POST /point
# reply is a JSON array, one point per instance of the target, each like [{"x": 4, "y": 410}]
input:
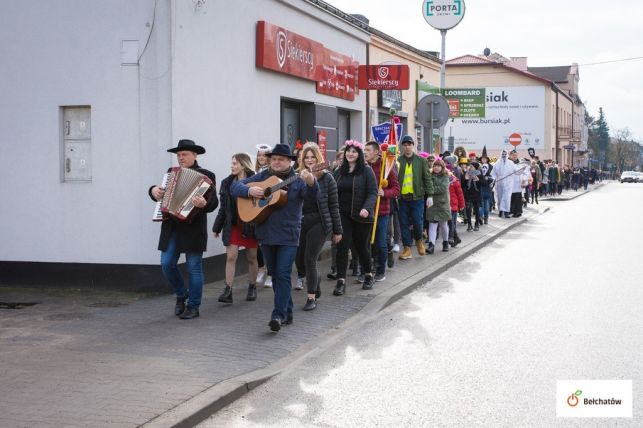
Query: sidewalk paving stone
[{"x": 102, "y": 359}]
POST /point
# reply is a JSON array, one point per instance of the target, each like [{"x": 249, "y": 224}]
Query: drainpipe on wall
[
  {"x": 368, "y": 96},
  {"x": 556, "y": 129}
]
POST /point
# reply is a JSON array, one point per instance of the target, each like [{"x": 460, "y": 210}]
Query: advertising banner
[
  {"x": 321, "y": 142},
  {"x": 506, "y": 111},
  {"x": 465, "y": 102},
  {"x": 383, "y": 77},
  {"x": 338, "y": 76},
  {"x": 286, "y": 52}
]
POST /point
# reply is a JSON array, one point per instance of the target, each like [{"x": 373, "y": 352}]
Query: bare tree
[{"x": 624, "y": 153}]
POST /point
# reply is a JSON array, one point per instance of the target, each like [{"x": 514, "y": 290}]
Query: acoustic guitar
[{"x": 257, "y": 210}]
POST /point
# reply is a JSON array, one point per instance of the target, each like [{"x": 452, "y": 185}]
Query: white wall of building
[
  {"x": 68, "y": 54},
  {"x": 197, "y": 79}
]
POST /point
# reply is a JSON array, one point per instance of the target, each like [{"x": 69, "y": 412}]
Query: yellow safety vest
[{"x": 407, "y": 182}]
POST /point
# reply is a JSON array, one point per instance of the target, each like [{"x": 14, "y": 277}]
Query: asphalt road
[{"x": 483, "y": 344}]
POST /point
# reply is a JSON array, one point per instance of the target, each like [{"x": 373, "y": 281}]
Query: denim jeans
[
  {"x": 381, "y": 242},
  {"x": 485, "y": 207},
  {"x": 194, "y": 265},
  {"x": 411, "y": 213},
  {"x": 279, "y": 260}
]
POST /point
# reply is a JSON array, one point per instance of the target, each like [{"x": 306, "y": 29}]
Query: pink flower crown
[{"x": 354, "y": 143}]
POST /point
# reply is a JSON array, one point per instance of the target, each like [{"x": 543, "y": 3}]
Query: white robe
[{"x": 504, "y": 186}]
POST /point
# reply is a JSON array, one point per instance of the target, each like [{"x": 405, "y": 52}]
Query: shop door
[{"x": 290, "y": 126}]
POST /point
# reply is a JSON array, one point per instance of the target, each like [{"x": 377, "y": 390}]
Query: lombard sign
[
  {"x": 383, "y": 77},
  {"x": 443, "y": 14}
]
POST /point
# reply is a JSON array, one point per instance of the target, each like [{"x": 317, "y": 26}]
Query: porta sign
[
  {"x": 383, "y": 77},
  {"x": 443, "y": 14}
]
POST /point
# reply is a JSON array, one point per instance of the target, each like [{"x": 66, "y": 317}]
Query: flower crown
[{"x": 355, "y": 143}]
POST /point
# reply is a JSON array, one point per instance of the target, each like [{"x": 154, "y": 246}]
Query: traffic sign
[
  {"x": 433, "y": 111},
  {"x": 515, "y": 139},
  {"x": 443, "y": 14}
]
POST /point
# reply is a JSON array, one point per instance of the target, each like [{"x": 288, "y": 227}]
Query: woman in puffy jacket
[
  {"x": 439, "y": 213},
  {"x": 357, "y": 193},
  {"x": 234, "y": 232},
  {"x": 320, "y": 218}
]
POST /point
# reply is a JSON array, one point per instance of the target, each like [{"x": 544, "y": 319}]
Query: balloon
[
  {"x": 384, "y": 183},
  {"x": 392, "y": 149},
  {"x": 384, "y": 147},
  {"x": 396, "y": 120}
]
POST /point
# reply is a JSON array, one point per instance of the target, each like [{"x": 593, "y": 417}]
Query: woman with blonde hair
[
  {"x": 234, "y": 232},
  {"x": 320, "y": 218},
  {"x": 261, "y": 163}
]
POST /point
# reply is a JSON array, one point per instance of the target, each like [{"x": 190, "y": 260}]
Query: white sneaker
[
  {"x": 268, "y": 282},
  {"x": 300, "y": 284},
  {"x": 396, "y": 248},
  {"x": 261, "y": 276}
]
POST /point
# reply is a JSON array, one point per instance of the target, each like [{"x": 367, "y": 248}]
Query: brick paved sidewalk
[{"x": 121, "y": 359}]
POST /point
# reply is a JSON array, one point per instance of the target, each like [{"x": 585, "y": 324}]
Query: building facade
[
  {"x": 95, "y": 94},
  {"x": 504, "y": 106},
  {"x": 424, "y": 72}
]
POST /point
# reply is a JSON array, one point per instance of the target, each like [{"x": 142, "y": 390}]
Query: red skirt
[{"x": 239, "y": 240}]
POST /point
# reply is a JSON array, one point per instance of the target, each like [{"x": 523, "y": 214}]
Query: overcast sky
[{"x": 548, "y": 33}]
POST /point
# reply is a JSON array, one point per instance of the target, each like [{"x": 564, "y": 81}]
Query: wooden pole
[{"x": 377, "y": 203}]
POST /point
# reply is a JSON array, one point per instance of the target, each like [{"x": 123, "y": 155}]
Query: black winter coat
[
  {"x": 364, "y": 193},
  {"x": 471, "y": 189},
  {"x": 190, "y": 237},
  {"x": 227, "y": 215},
  {"x": 328, "y": 205}
]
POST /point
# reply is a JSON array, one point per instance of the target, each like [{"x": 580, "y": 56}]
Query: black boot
[
  {"x": 340, "y": 288},
  {"x": 486, "y": 219},
  {"x": 179, "y": 308},
  {"x": 368, "y": 282},
  {"x": 310, "y": 305},
  {"x": 318, "y": 289},
  {"x": 445, "y": 246},
  {"x": 332, "y": 274},
  {"x": 226, "y": 296},
  {"x": 189, "y": 313},
  {"x": 456, "y": 239},
  {"x": 431, "y": 248},
  {"x": 252, "y": 293},
  {"x": 476, "y": 227},
  {"x": 469, "y": 228}
]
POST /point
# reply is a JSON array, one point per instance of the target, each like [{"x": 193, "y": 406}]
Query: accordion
[{"x": 181, "y": 185}]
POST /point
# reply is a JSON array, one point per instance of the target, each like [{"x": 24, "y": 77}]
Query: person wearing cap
[
  {"x": 279, "y": 233},
  {"x": 189, "y": 238},
  {"x": 415, "y": 184}
]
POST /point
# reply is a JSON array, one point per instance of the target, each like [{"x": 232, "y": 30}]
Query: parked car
[{"x": 631, "y": 177}]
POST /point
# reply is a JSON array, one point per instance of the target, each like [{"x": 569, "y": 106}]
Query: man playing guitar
[{"x": 279, "y": 233}]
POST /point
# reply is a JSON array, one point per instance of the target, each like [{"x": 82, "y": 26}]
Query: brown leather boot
[
  {"x": 420, "y": 246},
  {"x": 406, "y": 253}
]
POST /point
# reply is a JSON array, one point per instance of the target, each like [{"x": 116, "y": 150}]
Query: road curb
[{"x": 201, "y": 406}]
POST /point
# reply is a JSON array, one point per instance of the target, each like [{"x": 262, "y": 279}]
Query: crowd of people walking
[{"x": 372, "y": 214}]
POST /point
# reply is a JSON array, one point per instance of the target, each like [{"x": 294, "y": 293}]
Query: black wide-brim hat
[
  {"x": 282, "y": 150},
  {"x": 187, "y": 145}
]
